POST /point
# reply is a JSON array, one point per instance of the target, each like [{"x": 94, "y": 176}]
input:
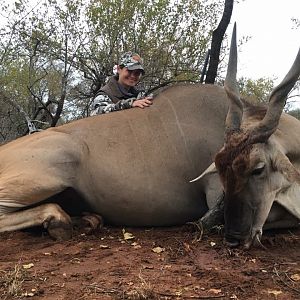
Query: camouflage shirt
[{"x": 113, "y": 97}]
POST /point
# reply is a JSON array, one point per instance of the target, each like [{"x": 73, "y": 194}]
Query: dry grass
[
  {"x": 144, "y": 291},
  {"x": 141, "y": 291},
  {"x": 12, "y": 281}
]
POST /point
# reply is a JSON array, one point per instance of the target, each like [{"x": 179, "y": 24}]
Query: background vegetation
[{"x": 55, "y": 55}]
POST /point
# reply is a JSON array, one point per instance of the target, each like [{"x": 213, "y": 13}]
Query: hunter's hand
[{"x": 141, "y": 103}]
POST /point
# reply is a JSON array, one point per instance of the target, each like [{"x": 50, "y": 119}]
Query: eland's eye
[{"x": 258, "y": 170}]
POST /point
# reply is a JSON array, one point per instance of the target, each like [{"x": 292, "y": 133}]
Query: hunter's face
[{"x": 129, "y": 78}]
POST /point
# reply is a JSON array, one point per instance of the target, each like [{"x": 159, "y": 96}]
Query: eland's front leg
[
  {"x": 19, "y": 204},
  {"x": 50, "y": 216}
]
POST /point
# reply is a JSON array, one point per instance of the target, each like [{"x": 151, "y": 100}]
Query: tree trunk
[{"x": 216, "y": 42}]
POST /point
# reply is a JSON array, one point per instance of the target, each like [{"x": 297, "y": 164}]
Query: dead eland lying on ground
[{"x": 133, "y": 167}]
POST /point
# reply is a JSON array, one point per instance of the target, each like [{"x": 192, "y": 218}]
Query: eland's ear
[
  {"x": 282, "y": 164},
  {"x": 210, "y": 170}
]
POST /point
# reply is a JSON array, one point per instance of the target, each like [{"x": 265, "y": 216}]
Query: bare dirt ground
[{"x": 160, "y": 263}]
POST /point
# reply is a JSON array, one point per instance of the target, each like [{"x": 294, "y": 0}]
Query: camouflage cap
[{"x": 131, "y": 61}]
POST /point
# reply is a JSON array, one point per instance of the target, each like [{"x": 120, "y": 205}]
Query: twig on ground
[
  {"x": 275, "y": 270},
  {"x": 192, "y": 297},
  {"x": 200, "y": 230}
]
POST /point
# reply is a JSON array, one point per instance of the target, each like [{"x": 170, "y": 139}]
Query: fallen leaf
[
  {"x": 167, "y": 267},
  {"x": 26, "y": 294},
  {"x": 136, "y": 245},
  {"x": 296, "y": 277},
  {"x": 264, "y": 271},
  {"x": 75, "y": 260},
  {"x": 28, "y": 266},
  {"x": 187, "y": 247},
  {"x": 29, "y": 294},
  {"x": 274, "y": 292},
  {"x": 215, "y": 291},
  {"x": 158, "y": 250},
  {"x": 127, "y": 235},
  {"x": 148, "y": 267}
]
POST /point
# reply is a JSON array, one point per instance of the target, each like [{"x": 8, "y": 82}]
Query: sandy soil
[{"x": 160, "y": 263}]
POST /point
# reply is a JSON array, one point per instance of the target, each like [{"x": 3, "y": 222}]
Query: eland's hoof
[
  {"x": 92, "y": 222},
  {"x": 60, "y": 231},
  {"x": 88, "y": 223}
]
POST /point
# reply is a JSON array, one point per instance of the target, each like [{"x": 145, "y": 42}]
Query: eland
[{"x": 133, "y": 167}]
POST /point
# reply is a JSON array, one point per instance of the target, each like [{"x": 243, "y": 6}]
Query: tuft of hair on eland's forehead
[
  {"x": 232, "y": 164},
  {"x": 235, "y": 152}
]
